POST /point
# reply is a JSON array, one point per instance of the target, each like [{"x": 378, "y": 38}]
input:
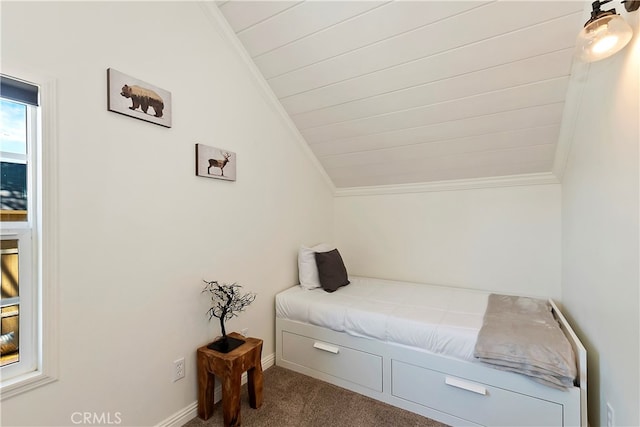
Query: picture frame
[
  {"x": 138, "y": 99},
  {"x": 217, "y": 163}
]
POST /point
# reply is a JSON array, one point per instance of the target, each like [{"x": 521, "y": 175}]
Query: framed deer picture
[{"x": 212, "y": 162}]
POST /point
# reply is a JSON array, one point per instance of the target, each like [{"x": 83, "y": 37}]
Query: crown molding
[
  {"x": 545, "y": 178},
  {"x": 222, "y": 27}
]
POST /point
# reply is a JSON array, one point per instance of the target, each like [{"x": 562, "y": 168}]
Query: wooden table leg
[
  {"x": 231, "y": 399},
  {"x": 206, "y": 387},
  {"x": 254, "y": 385}
]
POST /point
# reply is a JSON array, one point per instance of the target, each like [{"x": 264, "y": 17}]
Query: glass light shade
[{"x": 603, "y": 37}]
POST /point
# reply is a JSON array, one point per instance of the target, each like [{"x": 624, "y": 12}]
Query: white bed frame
[{"x": 452, "y": 391}]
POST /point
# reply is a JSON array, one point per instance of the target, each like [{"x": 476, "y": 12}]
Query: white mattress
[{"x": 439, "y": 319}]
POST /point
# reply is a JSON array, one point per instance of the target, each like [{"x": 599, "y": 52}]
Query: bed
[{"x": 412, "y": 345}]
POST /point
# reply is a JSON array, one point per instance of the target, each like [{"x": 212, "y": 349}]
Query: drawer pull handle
[
  {"x": 326, "y": 347},
  {"x": 455, "y": 382}
]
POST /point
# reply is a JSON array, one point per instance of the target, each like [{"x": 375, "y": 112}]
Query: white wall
[
  {"x": 138, "y": 231},
  {"x": 600, "y": 276},
  {"x": 503, "y": 239}
]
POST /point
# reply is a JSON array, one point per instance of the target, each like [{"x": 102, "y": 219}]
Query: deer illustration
[{"x": 215, "y": 163}]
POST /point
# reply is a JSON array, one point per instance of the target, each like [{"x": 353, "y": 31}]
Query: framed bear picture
[{"x": 136, "y": 98}]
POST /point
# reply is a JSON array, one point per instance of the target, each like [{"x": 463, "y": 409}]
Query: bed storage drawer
[
  {"x": 352, "y": 365},
  {"x": 476, "y": 402}
]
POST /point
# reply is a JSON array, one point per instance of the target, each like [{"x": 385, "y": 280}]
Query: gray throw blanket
[{"x": 520, "y": 334}]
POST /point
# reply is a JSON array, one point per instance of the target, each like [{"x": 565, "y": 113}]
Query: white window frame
[{"x": 41, "y": 351}]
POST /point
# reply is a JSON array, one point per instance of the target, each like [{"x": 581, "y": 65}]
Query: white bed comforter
[{"x": 439, "y": 319}]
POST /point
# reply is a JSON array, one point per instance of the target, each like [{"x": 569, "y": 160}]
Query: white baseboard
[
  {"x": 181, "y": 417},
  {"x": 189, "y": 412}
]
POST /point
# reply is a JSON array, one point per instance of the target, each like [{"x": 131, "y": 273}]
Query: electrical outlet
[
  {"x": 610, "y": 416},
  {"x": 178, "y": 369},
  {"x": 245, "y": 332}
]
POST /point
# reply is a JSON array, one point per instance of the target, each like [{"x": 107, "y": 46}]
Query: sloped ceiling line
[
  {"x": 407, "y": 93},
  {"x": 221, "y": 26}
]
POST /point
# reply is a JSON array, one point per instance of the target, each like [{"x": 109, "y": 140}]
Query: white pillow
[{"x": 307, "y": 268}]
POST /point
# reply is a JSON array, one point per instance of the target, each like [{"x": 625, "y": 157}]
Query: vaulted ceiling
[{"x": 397, "y": 92}]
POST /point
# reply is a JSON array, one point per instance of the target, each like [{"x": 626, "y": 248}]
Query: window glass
[
  {"x": 9, "y": 303},
  {"x": 13, "y": 161},
  {"x": 13, "y": 127}
]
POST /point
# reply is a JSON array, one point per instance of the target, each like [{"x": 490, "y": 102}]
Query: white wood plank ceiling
[{"x": 396, "y": 92}]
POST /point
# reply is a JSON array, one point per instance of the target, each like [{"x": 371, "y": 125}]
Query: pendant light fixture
[{"x": 605, "y": 33}]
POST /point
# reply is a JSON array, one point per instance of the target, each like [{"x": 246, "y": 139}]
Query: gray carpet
[{"x": 296, "y": 400}]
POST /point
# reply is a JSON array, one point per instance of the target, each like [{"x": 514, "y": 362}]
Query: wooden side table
[{"x": 228, "y": 367}]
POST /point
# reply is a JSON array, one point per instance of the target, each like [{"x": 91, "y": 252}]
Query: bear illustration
[{"x": 143, "y": 98}]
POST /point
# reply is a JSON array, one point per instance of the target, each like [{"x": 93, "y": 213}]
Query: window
[
  {"x": 26, "y": 282},
  {"x": 18, "y": 195}
]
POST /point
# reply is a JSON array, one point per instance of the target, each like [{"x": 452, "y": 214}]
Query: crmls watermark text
[{"x": 96, "y": 418}]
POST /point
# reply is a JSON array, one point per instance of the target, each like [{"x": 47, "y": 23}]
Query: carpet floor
[{"x": 296, "y": 400}]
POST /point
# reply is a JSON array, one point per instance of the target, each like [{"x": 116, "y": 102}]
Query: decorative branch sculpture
[{"x": 226, "y": 303}]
